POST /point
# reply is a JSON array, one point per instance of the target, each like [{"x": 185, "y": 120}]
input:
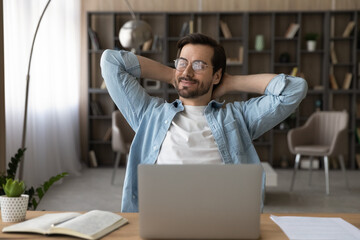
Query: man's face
[{"x": 190, "y": 83}]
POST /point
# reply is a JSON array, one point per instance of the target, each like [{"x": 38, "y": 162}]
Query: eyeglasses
[{"x": 197, "y": 65}]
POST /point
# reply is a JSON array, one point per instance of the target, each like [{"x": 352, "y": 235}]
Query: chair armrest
[
  {"x": 117, "y": 140},
  {"x": 338, "y": 143}
]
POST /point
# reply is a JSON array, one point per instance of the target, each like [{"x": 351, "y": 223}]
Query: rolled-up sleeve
[
  {"x": 282, "y": 96},
  {"x": 121, "y": 70}
]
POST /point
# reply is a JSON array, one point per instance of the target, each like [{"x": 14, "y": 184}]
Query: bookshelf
[{"x": 281, "y": 54}]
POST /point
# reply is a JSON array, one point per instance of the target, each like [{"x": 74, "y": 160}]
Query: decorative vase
[
  {"x": 13, "y": 209},
  {"x": 311, "y": 45},
  {"x": 284, "y": 57},
  {"x": 259, "y": 42}
]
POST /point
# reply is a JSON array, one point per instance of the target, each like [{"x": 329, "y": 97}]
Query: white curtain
[{"x": 52, "y": 140}]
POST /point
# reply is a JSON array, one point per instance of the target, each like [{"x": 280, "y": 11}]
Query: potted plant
[
  {"x": 14, "y": 203},
  {"x": 311, "y": 41},
  {"x": 34, "y": 194}
]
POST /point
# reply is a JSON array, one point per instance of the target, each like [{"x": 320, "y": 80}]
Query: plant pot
[
  {"x": 13, "y": 209},
  {"x": 311, "y": 45}
]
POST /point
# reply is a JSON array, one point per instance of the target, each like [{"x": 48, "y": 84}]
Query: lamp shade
[{"x": 134, "y": 33}]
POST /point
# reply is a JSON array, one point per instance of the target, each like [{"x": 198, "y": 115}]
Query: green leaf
[
  {"x": 14, "y": 162},
  {"x": 40, "y": 192},
  {"x": 13, "y": 188},
  {"x": 34, "y": 203}
]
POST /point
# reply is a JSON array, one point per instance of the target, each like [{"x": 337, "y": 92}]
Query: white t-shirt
[{"x": 189, "y": 140}]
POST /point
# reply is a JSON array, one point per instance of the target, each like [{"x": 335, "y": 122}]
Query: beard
[{"x": 191, "y": 92}]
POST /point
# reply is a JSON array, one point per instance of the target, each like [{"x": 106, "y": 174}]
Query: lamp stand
[{"x": 23, "y": 142}]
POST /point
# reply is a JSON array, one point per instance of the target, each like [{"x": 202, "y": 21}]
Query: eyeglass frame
[{"x": 192, "y": 65}]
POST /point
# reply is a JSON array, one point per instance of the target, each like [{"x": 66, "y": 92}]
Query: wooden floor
[{"x": 93, "y": 190}]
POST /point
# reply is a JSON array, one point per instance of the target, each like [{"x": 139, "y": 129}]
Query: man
[{"x": 194, "y": 128}]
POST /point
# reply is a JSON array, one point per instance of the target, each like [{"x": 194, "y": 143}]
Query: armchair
[
  {"x": 122, "y": 135},
  {"x": 322, "y": 136}
]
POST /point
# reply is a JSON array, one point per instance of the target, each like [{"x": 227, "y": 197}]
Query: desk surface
[{"x": 269, "y": 230}]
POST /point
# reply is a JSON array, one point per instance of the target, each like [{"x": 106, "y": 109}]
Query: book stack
[{"x": 187, "y": 28}]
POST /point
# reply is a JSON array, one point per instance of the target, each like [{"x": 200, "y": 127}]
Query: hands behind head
[{"x": 223, "y": 87}]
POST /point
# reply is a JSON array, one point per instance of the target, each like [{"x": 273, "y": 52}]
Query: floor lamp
[
  {"x": 23, "y": 142},
  {"x": 134, "y": 32}
]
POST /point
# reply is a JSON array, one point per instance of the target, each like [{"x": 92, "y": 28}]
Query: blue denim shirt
[{"x": 233, "y": 125}]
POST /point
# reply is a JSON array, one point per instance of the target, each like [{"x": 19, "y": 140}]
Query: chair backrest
[
  {"x": 326, "y": 124},
  {"x": 122, "y": 134}
]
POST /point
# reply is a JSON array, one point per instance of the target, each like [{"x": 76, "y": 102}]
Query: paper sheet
[{"x": 303, "y": 228}]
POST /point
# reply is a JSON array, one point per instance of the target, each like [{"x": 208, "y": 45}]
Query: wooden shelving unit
[{"x": 244, "y": 27}]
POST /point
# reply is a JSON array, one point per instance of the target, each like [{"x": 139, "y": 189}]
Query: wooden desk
[{"x": 269, "y": 230}]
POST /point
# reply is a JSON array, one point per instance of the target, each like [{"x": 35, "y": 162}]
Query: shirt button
[
  {"x": 166, "y": 121},
  {"x": 133, "y": 196},
  {"x": 154, "y": 147}
]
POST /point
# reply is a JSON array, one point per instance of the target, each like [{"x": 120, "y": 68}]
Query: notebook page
[
  {"x": 41, "y": 224},
  {"x": 321, "y": 228}
]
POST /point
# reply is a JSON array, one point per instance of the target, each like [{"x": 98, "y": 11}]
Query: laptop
[{"x": 200, "y": 201}]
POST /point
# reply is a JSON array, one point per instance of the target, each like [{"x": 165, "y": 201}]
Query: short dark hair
[{"x": 219, "y": 58}]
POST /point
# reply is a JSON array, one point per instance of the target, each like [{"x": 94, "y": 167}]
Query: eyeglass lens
[{"x": 181, "y": 64}]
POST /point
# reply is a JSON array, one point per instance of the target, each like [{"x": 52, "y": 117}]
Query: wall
[
  {"x": 190, "y": 5},
  {"x": 2, "y": 93}
]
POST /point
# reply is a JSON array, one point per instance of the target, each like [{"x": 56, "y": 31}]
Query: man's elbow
[
  {"x": 106, "y": 57},
  {"x": 303, "y": 87}
]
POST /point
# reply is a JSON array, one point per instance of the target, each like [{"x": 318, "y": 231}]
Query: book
[
  {"x": 147, "y": 45},
  {"x": 332, "y": 26},
  {"x": 156, "y": 43},
  {"x": 199, "y": 24},
  {"x": 347, "y": 81},
  {"x": 184, "y": 29},
  {"x": 191, "y": 26},
  {"x": 107, "y": 135},
  {"x": 292, "y": 30},
  {"x": 349, "y": 27},
  {"x": 91, "y": 225},
  {"x": 333, "y": 82},
  {"x": 333, "y": 54},
  {"x": 96, "y": 108},
  {"x": 94, "y": 39},
  {"x": 225, "y": 29},
  {"x": 241, "y": 54},
  {"x": 294, "y": 71},
  {"x": 93, "y": 159}
]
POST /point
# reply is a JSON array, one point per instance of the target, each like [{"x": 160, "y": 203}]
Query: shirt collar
[{"x": 214, "y": 104}]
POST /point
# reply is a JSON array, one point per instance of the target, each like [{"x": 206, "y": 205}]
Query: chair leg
[
  {"x": 310, "y": 169},
  {"x": 117, "y": 160},
  {"x": 296, "y": 165},
  {"x": 343, "y": 169},
  {"x": 326, "y": 168}
]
